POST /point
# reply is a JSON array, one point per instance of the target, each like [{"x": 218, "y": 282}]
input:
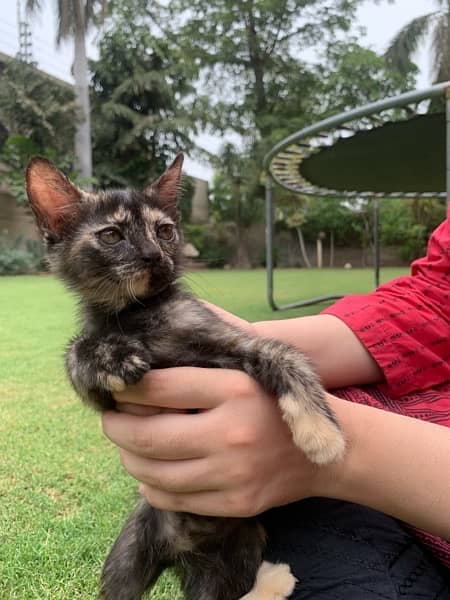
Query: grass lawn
[{"x": 63, "y": 494}]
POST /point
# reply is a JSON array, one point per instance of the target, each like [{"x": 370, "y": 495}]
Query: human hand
[{"x": 234, "y": 457}]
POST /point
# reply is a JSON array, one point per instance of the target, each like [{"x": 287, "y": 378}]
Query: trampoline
[{"x": 394, "y": 148}]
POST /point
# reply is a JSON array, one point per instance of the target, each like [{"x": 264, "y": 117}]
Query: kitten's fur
[{"x": 120, "y": 252}]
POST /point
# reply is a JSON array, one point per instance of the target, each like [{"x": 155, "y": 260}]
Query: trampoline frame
[{"x": 285, "y": 152}]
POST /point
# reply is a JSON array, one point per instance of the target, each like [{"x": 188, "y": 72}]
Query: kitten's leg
[
  {"x": 284, "y": 372},
  {"x": 137, "y": 557},
  {"x": 97, "y": 367},
  {"x": 225, "y": 568},
  {"x": 273, "y": 582},
  {"x": 289, "y": 374}
]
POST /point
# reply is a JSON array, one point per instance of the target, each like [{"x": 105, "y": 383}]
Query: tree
[
  {"x": 249, "y": 50},
  {"x": 353, "y": 76},
  {"x": 74, "y": 18},
  {"x": 435, "y": 24},
  {"x": 143, "y": 97},
  {"x": 35, "y": 106},
  {"x": 234, "y": 198},
  {"x": 36, "y": 117}
]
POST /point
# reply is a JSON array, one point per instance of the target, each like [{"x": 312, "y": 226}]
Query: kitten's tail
[{"x": 135, "y": 560}]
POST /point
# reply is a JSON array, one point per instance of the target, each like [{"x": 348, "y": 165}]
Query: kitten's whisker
[{"x": 133, "y": 293}]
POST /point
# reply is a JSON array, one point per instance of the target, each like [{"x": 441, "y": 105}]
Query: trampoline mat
[{"x": 406, "y": 156}]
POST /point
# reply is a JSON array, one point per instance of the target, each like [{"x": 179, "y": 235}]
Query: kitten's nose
[{"x": 150, "y": 253}]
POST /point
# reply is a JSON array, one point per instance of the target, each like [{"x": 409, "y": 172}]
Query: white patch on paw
[
  {"x": 314, "y": 433},
  {"x": 136, "y": 361},
  {"x": 273, "y": 582},
  {"x": 113, "y": 383}
]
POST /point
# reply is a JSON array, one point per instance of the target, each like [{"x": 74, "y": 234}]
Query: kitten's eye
[
  {"x": 166, "y": 232},
  {"x": 110, "y": 236}
]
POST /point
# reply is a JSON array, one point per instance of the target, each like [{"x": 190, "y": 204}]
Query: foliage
[
  {"x": 72, "y": 14},
  {"x": 37, "y": 115},
  {"x": 142, "y": 98},
  {"x": 15, "y": 155},
  {"x": 185, "y": 198},
  {"x": 214, "y": 241},
  {"x": 36, "y": 107},
  {"x": 251, "y": 48},
  {"x": 19, "y": 256},
  {"x": 237, "y": 197},
  {"x": 331, "y": 215},
  {"x": 434, "y": 26},
  {"x": 409, "y": 223},
  {"x": 353, "y": 76},
  {"x": 254, "y": 49}
]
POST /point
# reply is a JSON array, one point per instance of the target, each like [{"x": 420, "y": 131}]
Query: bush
[
  {"x": 18, "y": 256},
  {"x": 215, "y": 243}
]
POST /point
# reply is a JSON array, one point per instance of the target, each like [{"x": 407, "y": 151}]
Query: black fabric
[{"x": 343, "y": 551}]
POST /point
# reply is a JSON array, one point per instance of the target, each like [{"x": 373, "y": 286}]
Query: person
[{"x": 376, "y": 524}]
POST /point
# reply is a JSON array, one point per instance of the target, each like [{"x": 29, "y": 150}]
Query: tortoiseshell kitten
[{"x": 120, "y": 252}]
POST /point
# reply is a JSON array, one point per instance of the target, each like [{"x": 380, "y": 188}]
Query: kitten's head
[{"x": 111, "y": 247}]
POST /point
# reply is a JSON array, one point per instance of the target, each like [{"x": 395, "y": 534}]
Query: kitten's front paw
[
  {"x": 314, "y": 430},
  {"x": 121, "y": 363}
]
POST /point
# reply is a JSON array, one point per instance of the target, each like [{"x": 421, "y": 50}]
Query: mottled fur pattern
[{"x": 120, "y": 252}]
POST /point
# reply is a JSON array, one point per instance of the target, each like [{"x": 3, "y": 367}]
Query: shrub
[
  {"x": 215, "y": 243},
  {"x": 19, "y": 256}
]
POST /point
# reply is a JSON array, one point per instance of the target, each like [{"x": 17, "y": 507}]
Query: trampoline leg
[{"x": 376, "y": 240}]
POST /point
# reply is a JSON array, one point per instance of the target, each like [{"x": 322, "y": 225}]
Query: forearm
[
  {"x": 395, "y": 464},
  {"x": 338, "y": 355}
]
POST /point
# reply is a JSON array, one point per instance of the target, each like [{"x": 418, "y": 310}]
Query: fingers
[
  {"x": 212, "y": 503},
  {"x": 178, "y": 477},
  {"x": 138, "y": 409},
  {"x": 162, "y": 436},
  {"x": 186, "y": 388}
]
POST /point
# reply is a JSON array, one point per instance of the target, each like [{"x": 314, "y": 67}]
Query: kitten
[{"x": 120, "y": 251}]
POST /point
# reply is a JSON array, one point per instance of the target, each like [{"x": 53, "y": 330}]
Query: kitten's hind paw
[
  {"x": 273, "y": 582},
  {"x": 313, "y": 431}
]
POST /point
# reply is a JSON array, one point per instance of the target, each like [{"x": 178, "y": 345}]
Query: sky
[{"x": 381, "y": 21}]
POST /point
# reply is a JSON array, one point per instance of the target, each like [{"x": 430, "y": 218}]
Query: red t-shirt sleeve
[{"x": 405, "y": 324}]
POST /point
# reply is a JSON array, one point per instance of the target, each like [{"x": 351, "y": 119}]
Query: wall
[
  {"x": 16, "y": 221},
  {"x": 287, "y": 253}
]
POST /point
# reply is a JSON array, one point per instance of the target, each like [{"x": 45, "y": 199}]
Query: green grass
[{"x": 63, "y": 494}]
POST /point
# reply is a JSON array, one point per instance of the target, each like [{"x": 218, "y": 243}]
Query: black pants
[{"x": 342, "y": 551}]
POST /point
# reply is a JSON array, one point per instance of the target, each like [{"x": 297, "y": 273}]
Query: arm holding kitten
[{"x": 226, "y": 459}]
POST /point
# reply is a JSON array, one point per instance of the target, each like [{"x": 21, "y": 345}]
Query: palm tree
[
  {"x": 74, "y": 18},
  {"x": 435, "y": 24}
]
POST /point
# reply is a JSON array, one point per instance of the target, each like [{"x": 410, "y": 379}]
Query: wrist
[{"x": 339, "y": 479}]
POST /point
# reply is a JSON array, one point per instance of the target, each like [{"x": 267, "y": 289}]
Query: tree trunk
[
  {"x": 83, "y": 148},
  {"x": 331, "y": 249},
  {"x": 242, "y": 260},
  {"x": 301, "y": 243},
  {"x": 256, "y": 61}
]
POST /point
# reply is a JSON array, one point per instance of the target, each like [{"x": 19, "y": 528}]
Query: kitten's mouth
[{"x": 140, "y": 284}]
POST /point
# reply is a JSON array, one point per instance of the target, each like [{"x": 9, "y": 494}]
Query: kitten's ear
[
  {"x": 53, "y": 198},
  {"x": 167, "y": 186}
]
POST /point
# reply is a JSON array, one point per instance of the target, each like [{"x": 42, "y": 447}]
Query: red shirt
[{"x": 405, "y": 325}]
